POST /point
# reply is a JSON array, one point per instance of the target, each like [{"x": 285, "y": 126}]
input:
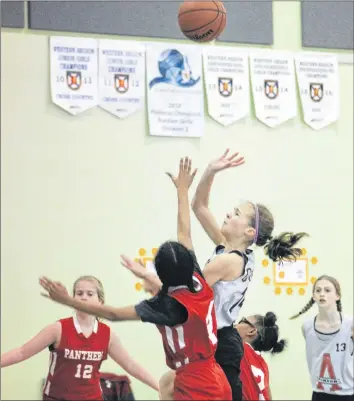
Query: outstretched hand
[
  {"x": 56, "y": 291},
  {"x": 151, "y": 282},
  {"x": 136, "y": 268},
  {"x": 226, "y": 161},
  {"x": 185, "y": 175}
]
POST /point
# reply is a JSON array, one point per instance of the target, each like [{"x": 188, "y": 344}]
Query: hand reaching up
[
  {"x": 185, "y": 175},
  {"x": 226, "y": 161}
]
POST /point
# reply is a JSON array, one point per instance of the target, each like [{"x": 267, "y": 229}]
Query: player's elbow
[
  {"x": 22, "y": 354},
  {"x": 195, "y": 204}
]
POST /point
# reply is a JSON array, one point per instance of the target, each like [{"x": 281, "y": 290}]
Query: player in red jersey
[
  {"x": 183, "y": 310},
  {"x": 259, "y": 334},
  {"x": 78, "y": 345}
]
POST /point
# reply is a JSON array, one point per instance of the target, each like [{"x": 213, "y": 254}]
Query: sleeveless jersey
[
  {"x": 330, "y": 358},
  {"x": 254, "y": 375},
  {"x": 74, "y": 365},
  {"x": 194, "y": 340},
  {"x": 230, "y": 295}
]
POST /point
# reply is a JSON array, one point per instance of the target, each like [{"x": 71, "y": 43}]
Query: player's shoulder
[
  {"x": 347, "y": 321},
  {"x": 249, "y": 351},
  {"x": 307, "y": 324},
  {"x": 103, "y": 327},
  {"x": 65, "y": 322},
  {"x": 228, "y": 258},
  {"x": 231, "y": 265},
  {"x": 254, "y": 357}
]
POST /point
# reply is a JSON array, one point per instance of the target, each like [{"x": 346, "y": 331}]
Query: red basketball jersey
[
  {"x": 254, "y": 375},
  {"x": 195, "y": 339},
  {"x": 74, "y": 365}
]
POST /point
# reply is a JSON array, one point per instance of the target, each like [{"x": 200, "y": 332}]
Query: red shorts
[
  {"x": 47, "y": 398},
  {"x": 201, "y": 380}
]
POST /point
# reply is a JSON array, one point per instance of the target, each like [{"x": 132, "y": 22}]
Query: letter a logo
[{"x": 327, "y": 366}]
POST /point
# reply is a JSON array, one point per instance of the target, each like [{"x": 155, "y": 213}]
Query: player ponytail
[
  {"x": 304, "y": 309},
  {"x": 174, "y": 265},
  {"x": 279, "y": 347},
  {"x": 268, "y": 333},
  {"x": 282, "y": 247},
  {"x": 311, "y": 301},
  {"x": 278, "y": 248}
]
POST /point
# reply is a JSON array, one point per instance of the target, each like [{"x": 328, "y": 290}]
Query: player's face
[
  {"x": 237, "y": 222},
  {"x": 246, "y": 328},
  {"x": 325, "y": 294},
  {"x": 86, "y": 291}
]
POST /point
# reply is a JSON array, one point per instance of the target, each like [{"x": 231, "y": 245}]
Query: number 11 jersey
[
  {"x": 196, "y": 338},
  {"x": 190, "y": 347}
]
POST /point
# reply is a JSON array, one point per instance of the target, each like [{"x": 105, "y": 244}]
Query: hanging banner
[
  {"x": 175, "y": 90},
  {"x": 121, "y": 83},
  {"x": 273, "y": 86},
  {"x": 318, "y": 81},
  {"x": 226, "y": 75},
  {"x": 73, "y": 73}
]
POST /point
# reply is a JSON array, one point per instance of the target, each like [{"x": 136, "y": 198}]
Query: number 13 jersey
[
  {"x": 75, "y": 363},
  {"x": 330, "y": 358}
]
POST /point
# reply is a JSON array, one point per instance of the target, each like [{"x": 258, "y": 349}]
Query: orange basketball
[{"x": 202, "y": 21}]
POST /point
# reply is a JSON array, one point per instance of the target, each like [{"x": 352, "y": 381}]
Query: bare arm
[
  {"x": 200, "y": 203},
  {"x": 58, "y": 293},
  {"x": 182, "y": 182},
  {"x": 120, "y": 355},
  {"x": 200, "y": 206},
  {"x": 103, "y": 311},
  {"x": 166, "y": 383},
  {"x": 49, "y": 335},
  {"x": 183, "y": 219},
  {"x": 227, "y": 266}
]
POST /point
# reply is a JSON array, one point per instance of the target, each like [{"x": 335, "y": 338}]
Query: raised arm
[
  {"x": 49, "y": 335},
  {"x": 200, "y": 203},
  {"x": 182, "y": 182},
  {"x": 121, "y": 356},
  {"x": 57, "y": 293}
]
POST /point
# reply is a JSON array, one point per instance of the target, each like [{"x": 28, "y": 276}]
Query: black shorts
[
  {"x": 229, "y": 353},
  {"x": 331, "y": 397}
]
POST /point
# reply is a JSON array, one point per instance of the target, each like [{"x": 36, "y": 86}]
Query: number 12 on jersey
[{"x": 84, "y": 372}]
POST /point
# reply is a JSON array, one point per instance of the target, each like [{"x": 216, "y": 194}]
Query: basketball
[{"x": 202, "y": 21}]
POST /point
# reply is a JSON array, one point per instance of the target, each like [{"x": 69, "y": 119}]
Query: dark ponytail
[
  {"x": 282, "y": 247},
  {"x": 278, "y": 248},
  {"x": 279, "y": 347},
  {"x": 268, "y": 333}
]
